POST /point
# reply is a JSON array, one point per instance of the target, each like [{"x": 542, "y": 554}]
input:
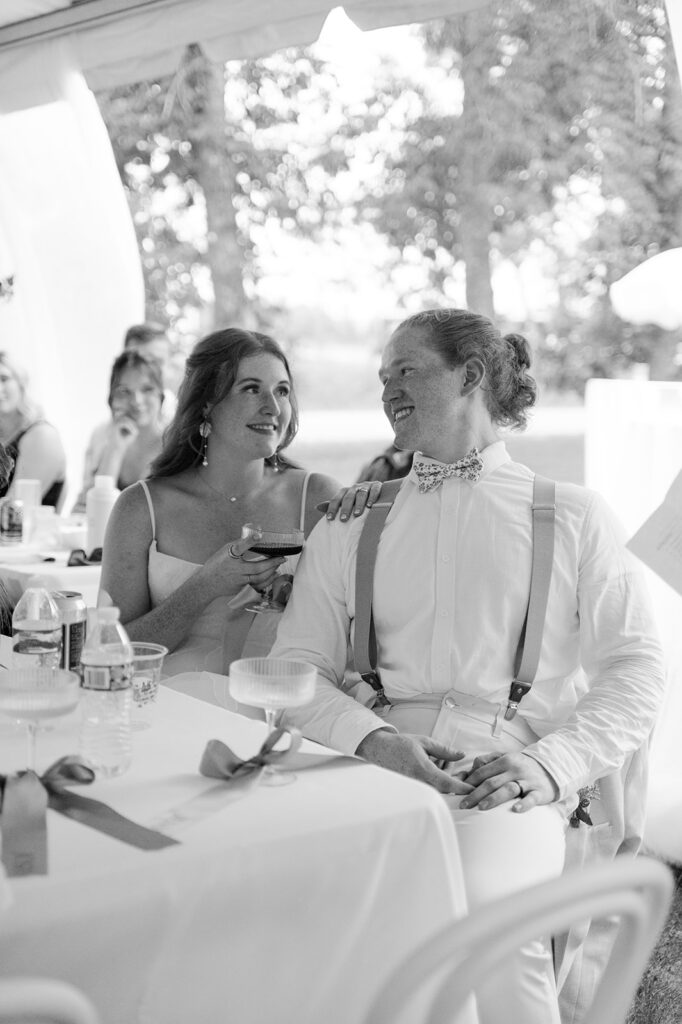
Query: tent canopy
[{"x": 113, "y": 42}]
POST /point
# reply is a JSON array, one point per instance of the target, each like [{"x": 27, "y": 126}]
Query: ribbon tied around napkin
[
  {"x": 24, "y": 799},
  {"x": 220, "y": 762}
]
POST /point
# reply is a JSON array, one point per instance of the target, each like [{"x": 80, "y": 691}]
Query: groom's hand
[{"x": 413, "y": 756}]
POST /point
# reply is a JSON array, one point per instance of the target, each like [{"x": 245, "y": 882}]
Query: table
[
  {"x": 17, "y": 568},
  {"x": 292, "y": 903}
]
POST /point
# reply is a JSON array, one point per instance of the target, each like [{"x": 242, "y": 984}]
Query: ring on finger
[
  {"x": 231, "y": 552},
  {"x": 365, "y": 490},
  {"x": 522, "y": 791}
]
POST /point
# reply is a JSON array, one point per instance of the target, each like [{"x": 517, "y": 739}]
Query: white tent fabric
[
  {"x": 68, "y": 239},
  {"x": 119, "y": 41},
  {"x": 650, "y": 292},
  {"x": 65, "y": 230}
]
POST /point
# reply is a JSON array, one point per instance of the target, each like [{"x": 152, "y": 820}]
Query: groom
[{"x": 451, "y": 588}]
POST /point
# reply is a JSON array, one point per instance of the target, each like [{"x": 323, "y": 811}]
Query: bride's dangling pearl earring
[{"x": 204, "y": 430}]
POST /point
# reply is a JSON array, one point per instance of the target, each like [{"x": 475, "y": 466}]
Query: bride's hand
[
  {"x": 228, "y": 571},
  {"x": 351, "y": 501}
]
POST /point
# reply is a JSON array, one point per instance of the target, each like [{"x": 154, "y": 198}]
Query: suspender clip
[
  {"x": 517, "y": 691},
  {"x": 375, "y": 682}
]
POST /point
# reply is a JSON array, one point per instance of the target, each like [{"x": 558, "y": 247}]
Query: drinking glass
[
  {"x": 147, "y": 663},
  {"x": 30, "y": 492},
  {"x": 272, "y": 684},
  {"x": 35, "y": 696},
  {"x": 271, "y": 545}
]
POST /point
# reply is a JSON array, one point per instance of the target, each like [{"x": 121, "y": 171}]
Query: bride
[{"x": 173, "y": 560}]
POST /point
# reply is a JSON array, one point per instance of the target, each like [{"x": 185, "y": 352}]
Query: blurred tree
[
  {"x": 211, "y": 155},
  {"x": 563, "y": 134}
]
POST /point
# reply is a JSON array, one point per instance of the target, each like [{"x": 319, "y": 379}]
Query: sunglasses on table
[{"x": 79, "y": 557}]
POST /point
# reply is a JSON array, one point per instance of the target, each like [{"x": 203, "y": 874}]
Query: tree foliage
[
  {"x": 563, "y": 139},
  {"x": 541, "y": 132},
  {"x": 210, "y": 156}
]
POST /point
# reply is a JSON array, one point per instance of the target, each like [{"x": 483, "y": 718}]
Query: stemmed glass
[
  {"x": 272, "y": 684},
  {"x": 271, "y": 545},
  {"x": 34, "y": 696}
]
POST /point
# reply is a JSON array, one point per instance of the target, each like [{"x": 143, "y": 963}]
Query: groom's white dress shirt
[{"x": 450, "y": 594}]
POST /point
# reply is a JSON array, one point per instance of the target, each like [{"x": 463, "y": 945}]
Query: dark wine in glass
[
  {"x": 272, "y": 545},
  {"x": 274, "y": 550}
]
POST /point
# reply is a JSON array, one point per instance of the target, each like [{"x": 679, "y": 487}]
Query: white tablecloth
[
  {"x": 57, "y": 575},
  {"x": 290, "y": 904}
]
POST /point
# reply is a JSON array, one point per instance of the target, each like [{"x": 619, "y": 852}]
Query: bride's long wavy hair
[{"x": 210, "y": 373}]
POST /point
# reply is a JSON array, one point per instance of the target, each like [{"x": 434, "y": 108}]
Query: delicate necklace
[{"x": 229, "y": 497}]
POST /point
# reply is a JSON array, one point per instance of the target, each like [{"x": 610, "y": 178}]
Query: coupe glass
[
  {"x": 272, "y": 684},
  {"x": 271, "y": 545},
  {"x": 34, "y": 696}
]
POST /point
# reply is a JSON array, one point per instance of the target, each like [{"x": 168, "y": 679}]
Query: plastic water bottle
[
  {"x": 99, "y": 502},
  {"x": 106, "y": 699},
  {"x": 36, "y": 630}
]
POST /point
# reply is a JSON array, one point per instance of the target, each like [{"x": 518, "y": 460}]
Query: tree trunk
[
  {"x": 476, "y": 216},
  {"x": 215, "y": 173},
  {"x": 662, "y": 365}
]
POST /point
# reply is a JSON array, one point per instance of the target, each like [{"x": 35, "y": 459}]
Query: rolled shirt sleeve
[
  {"x": 620, "y": 655},
  {"x": 315, "y": 628}
]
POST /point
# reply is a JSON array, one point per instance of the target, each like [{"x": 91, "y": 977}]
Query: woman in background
[
  {"x": 126, "y": 446},
  {"x": 32, "y": 442}
]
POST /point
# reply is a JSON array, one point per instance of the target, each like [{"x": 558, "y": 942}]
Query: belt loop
[{"x": 498, "y": 722}]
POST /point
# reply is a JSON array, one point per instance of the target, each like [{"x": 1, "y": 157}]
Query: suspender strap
[
  {"x": 530, "y": 642},
  {"x": 528, "y": 651},
  {"x": 364, "y": 640}
]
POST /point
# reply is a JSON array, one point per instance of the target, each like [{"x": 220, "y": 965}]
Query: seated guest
[
  {"x": 174, "y": 561},
  {"x": 391, "y": 464},
  {"x": 152, "y": 341},
  {"x": 6, "y": 469},
  {"x": 451, "y": 588},
  {"x": 32, "y": 442},
  {"x": 133, "y": 438}
]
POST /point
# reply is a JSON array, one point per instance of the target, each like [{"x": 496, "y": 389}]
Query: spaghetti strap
[
  {"x": 304, "y": 495},
  {"x": 143, "y": 485}
]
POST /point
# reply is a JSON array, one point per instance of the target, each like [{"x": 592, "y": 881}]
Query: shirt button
[
  {"x": 445, "y": 615},
  {"x": 445, "y": 558}
]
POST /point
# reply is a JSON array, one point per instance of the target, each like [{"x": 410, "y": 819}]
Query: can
[
  {"x": 74, "y": 613},
  {"x": 11, "y": 521}
]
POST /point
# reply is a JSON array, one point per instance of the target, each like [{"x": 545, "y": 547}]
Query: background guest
[
  {"x": 391, "y": 464},
  {"x": 32, "y": 442},
  {"x": 151, "y": 340},
  {"x": 6, "y": 468},
  {"x": 173, "y": 560},
  {"x": 133, "y": 438}
]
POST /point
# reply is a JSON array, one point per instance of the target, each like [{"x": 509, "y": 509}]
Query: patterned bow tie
[{"x": 432, "y": 474}]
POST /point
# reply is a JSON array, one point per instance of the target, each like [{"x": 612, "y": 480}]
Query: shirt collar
[{"x": 493, "y": 456}]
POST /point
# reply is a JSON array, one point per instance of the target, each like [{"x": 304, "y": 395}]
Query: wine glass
[
  {"x": 271, "y": 545},
  {"x": 34, "y": 696},
  {"x": 272, "y": 684}
]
